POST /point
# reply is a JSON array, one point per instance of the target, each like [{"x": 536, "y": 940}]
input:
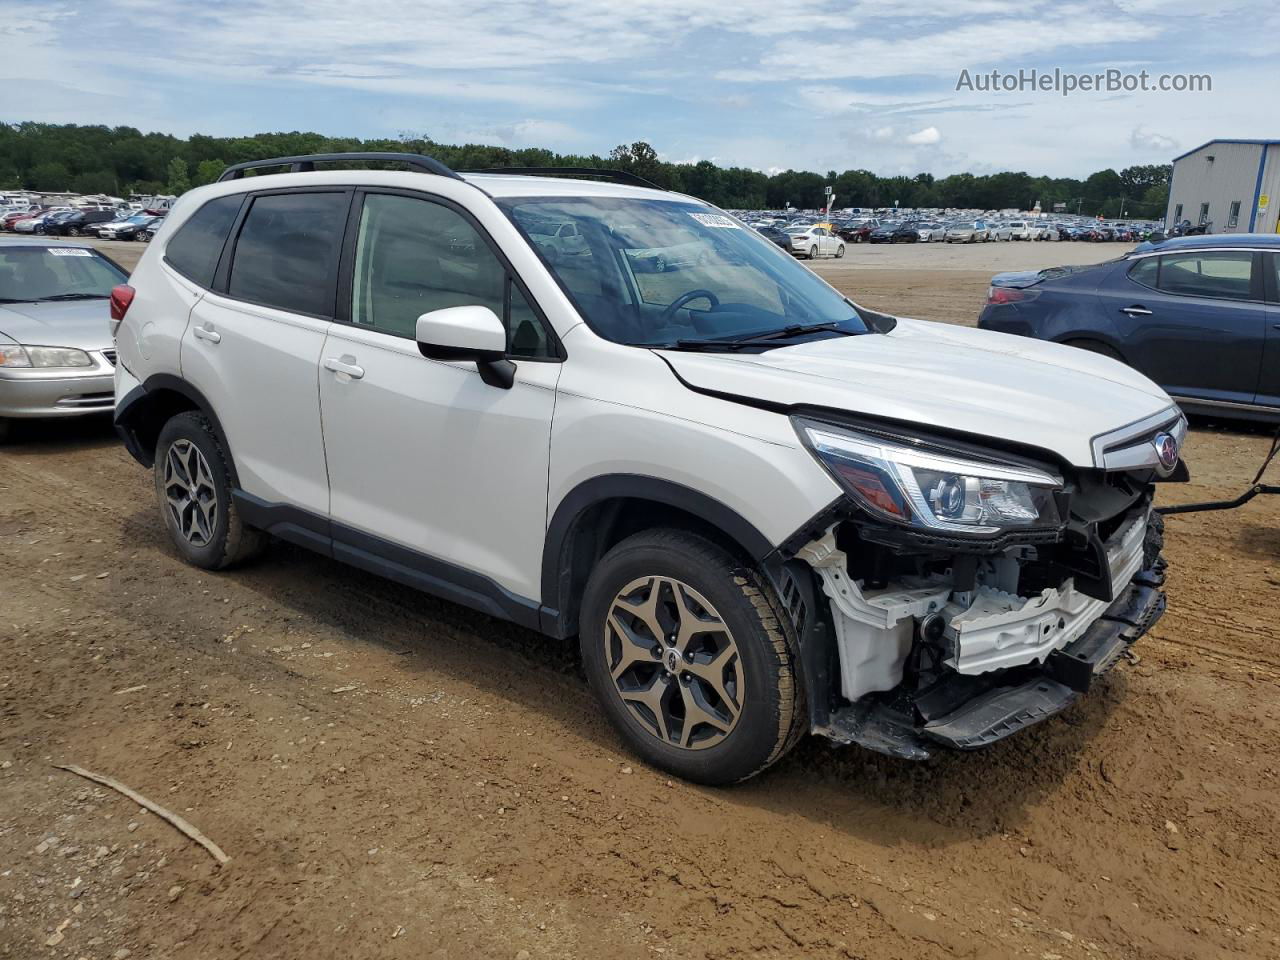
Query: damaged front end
[{"x": 923, "y": 633}]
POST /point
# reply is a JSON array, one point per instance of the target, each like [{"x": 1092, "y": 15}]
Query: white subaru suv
[{"x": 764, "y": 510}]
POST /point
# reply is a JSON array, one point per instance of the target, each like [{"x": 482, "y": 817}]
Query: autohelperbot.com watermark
[{"x": 1065, "y": 82}]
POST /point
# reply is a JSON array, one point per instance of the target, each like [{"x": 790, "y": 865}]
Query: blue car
[{"x": 1198, "y": 315}]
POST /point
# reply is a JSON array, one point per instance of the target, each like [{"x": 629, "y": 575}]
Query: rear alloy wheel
[
  {"x": 73, "y": 231},
  {"x": 193, "y": 485},
  {"x": 689, "y": 659},
  {"x": 143, "y": 235},
  {"x": 813, "y": 253}
]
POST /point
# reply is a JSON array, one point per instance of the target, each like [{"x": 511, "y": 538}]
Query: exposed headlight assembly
[
  {"x": 932, "y": 490},
  {"x": 13, "y": 355}
]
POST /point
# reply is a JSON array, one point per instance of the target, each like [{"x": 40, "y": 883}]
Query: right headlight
[{"x": 930, "y": 489}]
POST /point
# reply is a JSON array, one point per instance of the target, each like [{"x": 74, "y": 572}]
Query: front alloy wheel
[
  {"x": 674, "y": 662},
  {"x": 690, "y": 657}
]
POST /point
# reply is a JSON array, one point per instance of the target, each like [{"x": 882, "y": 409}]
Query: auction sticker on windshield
[
  {"x": 70, "y": 251},
  {"x": 715, "y": 220}
]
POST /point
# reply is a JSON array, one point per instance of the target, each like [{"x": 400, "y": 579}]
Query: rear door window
[
  {"x": 194, "y": 250},
  {"x": 1223, "y": 275},
  {"x": 287, "y": 253}
]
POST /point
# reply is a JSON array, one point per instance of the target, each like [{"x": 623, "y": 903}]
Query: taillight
[
  {"x": 999, "y": 295},
  {"x": 121, "y": 298}
]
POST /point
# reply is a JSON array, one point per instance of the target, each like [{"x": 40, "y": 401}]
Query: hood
[
  {"x": 70, "y": 323},
  {"x": 978, "y": 382}
]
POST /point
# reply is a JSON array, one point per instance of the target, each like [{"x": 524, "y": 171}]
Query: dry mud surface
[{"x": 394, "y": 776}]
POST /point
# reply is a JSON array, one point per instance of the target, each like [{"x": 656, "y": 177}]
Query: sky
[{"x": 814, "y": 85}]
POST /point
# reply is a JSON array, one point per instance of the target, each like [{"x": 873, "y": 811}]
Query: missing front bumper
[{"x": 967, "y": 712}]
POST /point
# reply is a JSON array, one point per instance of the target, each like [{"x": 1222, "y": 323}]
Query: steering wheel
[{"x": 684, "y": 298}]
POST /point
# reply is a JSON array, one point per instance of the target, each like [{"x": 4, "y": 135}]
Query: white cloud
[
  {"x": 929, "y": 135},
  {"x": 1148, "y": 140}
]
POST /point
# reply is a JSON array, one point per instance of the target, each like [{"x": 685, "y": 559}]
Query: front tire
[
  {"x": 690, "y": 659},
  {"x": 143, "y": 235},
  {"x": 840, "y": 251},
  {"x": 193, "y": 486}
]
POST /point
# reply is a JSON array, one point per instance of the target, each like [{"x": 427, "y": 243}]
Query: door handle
[
  {"x": 344, "y": 365},
  {"x": 207, "y": 333},
  {"x": 1136, "y": 311}
]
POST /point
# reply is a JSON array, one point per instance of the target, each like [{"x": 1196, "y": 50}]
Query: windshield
[
  {"x": 30, "y": 274},
  {"x": 659, "y": 272}
]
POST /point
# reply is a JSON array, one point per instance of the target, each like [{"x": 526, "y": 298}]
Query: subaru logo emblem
[{"x": 1166, "y": 450}]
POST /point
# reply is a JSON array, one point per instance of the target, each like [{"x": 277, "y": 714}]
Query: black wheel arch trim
[
  {"x": 134, "y": 405},
  {"x": 557, "y": 601}
]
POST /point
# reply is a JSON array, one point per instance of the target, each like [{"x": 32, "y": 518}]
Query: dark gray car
[{"x": 1198, "y": 315}]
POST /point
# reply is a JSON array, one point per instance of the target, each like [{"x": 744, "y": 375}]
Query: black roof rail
[
  {"x": 596, "y": 173},
  {"x": 307, "y": 163}
]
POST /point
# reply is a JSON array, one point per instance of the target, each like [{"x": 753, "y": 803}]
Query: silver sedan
[{"x": 57, "y": 358}]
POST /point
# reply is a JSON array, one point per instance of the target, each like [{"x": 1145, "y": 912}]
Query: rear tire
[
  {"x": 732, "y": 704},
  {"x": 813, "y": 253},
  {"x": 6, "y": 430},
  {"x": 193, "y": 487}
]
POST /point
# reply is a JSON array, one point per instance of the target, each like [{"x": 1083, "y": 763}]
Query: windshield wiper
[
  {"x": 786, "y": 333},
  {"x": 73, "y": 296}
]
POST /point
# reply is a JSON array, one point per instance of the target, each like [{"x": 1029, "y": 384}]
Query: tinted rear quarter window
[
  {"x": 1145, "y": 271},
  {"x": 287, "y": 252},
  {"x": 194, "y": 250}
]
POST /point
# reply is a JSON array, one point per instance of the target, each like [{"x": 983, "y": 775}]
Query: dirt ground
[{"x": 394, "y": 776}]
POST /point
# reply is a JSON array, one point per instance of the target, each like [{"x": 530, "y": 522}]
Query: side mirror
[{"x": 468, "y": 333}]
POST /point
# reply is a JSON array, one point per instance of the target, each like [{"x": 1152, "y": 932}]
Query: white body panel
[
  {"x": 261, "y": 375},
  {"x": 426, "y": 455},
  {"x": 151, "y": 342},
  {"x": 1026, "y": 391},
  {"x": 621, "y": 411}
]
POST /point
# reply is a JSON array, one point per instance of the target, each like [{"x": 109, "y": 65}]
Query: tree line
[{"x": 122, "y": 160}]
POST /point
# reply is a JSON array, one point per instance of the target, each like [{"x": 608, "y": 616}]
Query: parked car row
[
  {"x": 874, "y": 229},
  {"x": 106, "y": 223}
]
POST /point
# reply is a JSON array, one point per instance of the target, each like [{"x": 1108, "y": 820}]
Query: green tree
[
  {"x": 50, "y": 175},
  {"x": 208, "y": 171},
  {"x": 177, "y": 177},
  {"x": 99, "y": 181}
]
